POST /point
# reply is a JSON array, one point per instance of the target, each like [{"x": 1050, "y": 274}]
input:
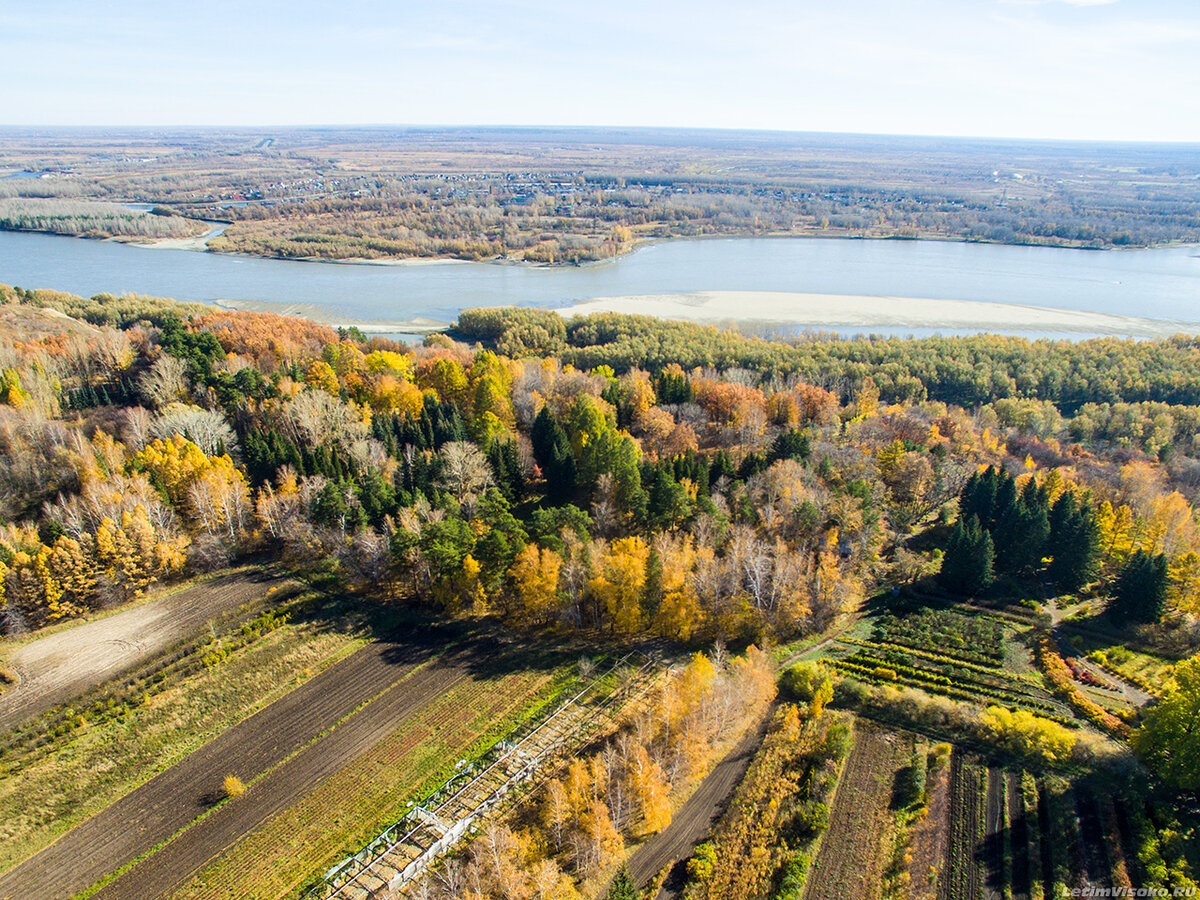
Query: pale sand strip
[{"x": 853, "y": 311}]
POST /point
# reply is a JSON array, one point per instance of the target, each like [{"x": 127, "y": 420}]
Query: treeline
[
  {"x": 1142, "y": 394},
  {"x": 92, "y": 219}
]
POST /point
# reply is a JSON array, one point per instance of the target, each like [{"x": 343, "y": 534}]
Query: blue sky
[{"x": 1094, "y": 69}]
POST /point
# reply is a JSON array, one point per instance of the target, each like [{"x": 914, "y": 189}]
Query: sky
[{"x": 1069, "y": 69}]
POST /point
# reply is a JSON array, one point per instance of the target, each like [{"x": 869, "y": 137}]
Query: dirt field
[
  {"x": 172, "y": 800},
  {"x": 930, "y": 838},
  {"x": 851, "y": 857},
  {"x": 693, "y": 820},
  {"x": 60, "y": 666}
]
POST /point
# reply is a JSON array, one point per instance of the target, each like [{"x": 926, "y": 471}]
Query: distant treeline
[{"x": 1141, "y": 393}]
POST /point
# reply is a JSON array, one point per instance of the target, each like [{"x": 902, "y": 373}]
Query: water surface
[{"x": 1157, "y": 284}]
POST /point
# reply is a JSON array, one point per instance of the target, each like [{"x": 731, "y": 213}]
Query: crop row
[
  {"x": 964, "y": 877},
  {"x": 33, "y": 740},
  {"x": 877, "y": 674},
  {"x": 347, "y": 809},
  {"x": 953, "y": 673},
  {"x": 970, "y": 638},
  {"x": 930, "y": 655}
]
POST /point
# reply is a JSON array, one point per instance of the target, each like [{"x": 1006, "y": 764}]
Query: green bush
[{"x": 703, "y": 863}]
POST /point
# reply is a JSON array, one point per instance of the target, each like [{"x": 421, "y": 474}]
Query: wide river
[{"x": 1155, "y": 284}]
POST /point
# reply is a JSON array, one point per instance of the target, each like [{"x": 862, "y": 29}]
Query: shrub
[
  {"x": 910, "y": 783},
  {"x": 233, "y": 787},
  {"x": 801, "y": 681},
  {"x": 703, "y": 863},
  {"x": 795, "y": 872},
  {"x": 1028, "y": 734}
]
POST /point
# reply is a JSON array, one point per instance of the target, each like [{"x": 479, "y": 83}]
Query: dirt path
[
  {"x": 693, "y": 820},
  {"x": 1129, "y": 692},
  {"x": 60, "y": 666},
  {"x": 852, "y": 856},
  {"x": 172, "y": 800}
]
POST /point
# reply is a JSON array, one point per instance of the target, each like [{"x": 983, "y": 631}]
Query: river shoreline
[{"x": 199, "y": 243}]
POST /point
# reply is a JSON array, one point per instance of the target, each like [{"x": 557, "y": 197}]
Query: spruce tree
[
  {"x": 967, "y": 564},
  {"x": 622, "y": 887},
  {"x": 1140, "y": 592},
  {"x": 1074, "y": 544}
]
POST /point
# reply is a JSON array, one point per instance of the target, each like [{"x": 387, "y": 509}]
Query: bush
[
  {"x": 233, "y": 787},
  {"x": 703, "y": 863},
  {"x": 795, "y": 872},
  {"x": 801, "y": 681},
  {"x": 910, "y": 783}
]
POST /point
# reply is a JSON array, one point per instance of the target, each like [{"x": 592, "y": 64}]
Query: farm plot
[
  {"x": 170, "y": 801},
  {"x": 852, "y": 855},
  {"x": 55, "y": 668},
  {"x": 45, "y": 790},
  {"x": 302, "y": 825},
  {"x": 929, "y": 842},
  {"x": 1019, "y": 872},
  {"x": 405, "y": 850},
  {"x": 948, "y": 653},
  {"x": 966, "y": 866}
]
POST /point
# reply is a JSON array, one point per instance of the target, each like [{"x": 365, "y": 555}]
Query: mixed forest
[{"x": 985, "y": 542}]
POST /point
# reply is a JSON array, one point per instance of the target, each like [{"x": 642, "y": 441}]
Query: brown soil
[
  {"x": 172, "y": 800},
  {"x": 930, "y": 838},
  {"x": 965, "y": 869},
  {"x": 852, "y": 857},
  {"x": 59, "y": 667},
  {"x": 993, "y": 835}
]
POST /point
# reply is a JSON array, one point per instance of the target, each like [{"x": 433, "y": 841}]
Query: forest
[
  {"x": 547, "y": 197},
  {"x": 622, "y": 482}
]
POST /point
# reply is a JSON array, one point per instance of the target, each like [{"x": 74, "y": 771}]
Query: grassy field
[{"x": 96, "y": 764}]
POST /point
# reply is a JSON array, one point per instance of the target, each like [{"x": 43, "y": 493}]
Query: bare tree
[
  {"x": 465, "y": 471},
  {"x": 166, "y": 381},
  {"x": 205, "y": 428}
]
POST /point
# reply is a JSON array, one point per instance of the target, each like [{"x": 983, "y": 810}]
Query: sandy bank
[
  {"x": 197, "y": 242},
  {"x": 854, "y": 311}
]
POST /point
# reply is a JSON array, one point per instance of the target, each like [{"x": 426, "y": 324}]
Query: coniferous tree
[
  {"x": 622, "y": 887},
  {"x": 552, "y": 450},
  {"x": 1140, "y": 592},
  {"x": 1074, "y": 543},
  {"x": 967, "y": 565}
]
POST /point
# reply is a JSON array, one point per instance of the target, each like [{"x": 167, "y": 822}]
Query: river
[{"x": 1157, "y": 284}]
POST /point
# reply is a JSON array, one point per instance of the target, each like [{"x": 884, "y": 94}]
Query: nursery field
[
  {"x": 962, "y": 655},
  {"x": 281, "y": 752},
  {"x": 304, "y": 830},
  {"x": 63, "y": 768}
]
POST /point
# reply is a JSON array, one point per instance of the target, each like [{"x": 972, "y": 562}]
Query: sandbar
[{"x": 867, "y": 312}]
